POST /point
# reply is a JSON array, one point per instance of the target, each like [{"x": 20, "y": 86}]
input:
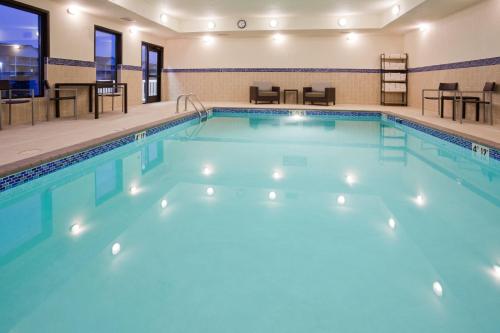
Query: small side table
[{"x": 296, "y": 91}]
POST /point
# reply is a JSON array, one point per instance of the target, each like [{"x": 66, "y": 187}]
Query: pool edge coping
[{"x": 37, "y": 160}]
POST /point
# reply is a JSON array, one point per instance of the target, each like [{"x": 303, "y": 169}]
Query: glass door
[{"x": 152, "y": 56}]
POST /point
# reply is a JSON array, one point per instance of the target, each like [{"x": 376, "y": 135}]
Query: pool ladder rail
[{"x": 195, "y": 102}]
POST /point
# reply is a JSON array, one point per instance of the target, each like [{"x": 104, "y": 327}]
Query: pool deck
[{"x": 24, "y": 146}]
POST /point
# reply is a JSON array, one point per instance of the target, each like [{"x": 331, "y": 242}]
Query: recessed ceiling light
[
  {"x": 342, "y": 22},
  {"x": 392, "y": 223},
  {"x": 72, "y": 10},
  {"x": 164, "y": 203},
  {"x": 164, "y": 18},
  {"x": 273, "y": 23},
  {"x": 351, "y": 36},
  {"x": 211, "y": 25},
  {"x": 341, "y": 200},
  {"x": 207, "y": 170},
  {"x": 278, "y": 37},
  {"x": 396, "y": 9},
  {"x": 420, "y": 200},
  {"x": 272, "y": 195},
  {"x": 423, "y": 27},
  {"x": 133, "y": 29},
  {"x": 350, "y": 179},
  {"x": 277, "y": 175}
]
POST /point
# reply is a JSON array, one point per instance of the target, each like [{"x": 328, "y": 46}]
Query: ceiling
[{"x": 195, "y": 16}]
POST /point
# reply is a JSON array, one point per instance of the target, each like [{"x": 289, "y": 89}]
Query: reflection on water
[{"x": 298, "y": 245}]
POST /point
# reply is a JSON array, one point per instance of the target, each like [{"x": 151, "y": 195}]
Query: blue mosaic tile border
[
  {"x": 25, "y": 176},
  {"x": 286, "y": 112},
  {"x": 457, "y": 65},
  {"x": 271, "y": 70},
  {"x": 457, "y": 140},
  {"x": 130, "y": 68},
  {"x": 69, "y": 62}
]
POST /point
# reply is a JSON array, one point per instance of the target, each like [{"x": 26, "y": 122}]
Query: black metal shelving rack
[{"x": 384, "y": 60}]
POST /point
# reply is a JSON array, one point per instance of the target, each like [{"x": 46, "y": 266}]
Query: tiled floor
[{"x": 25, "y": 145}]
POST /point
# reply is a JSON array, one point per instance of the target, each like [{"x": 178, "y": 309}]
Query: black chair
[
  {"x": 321, "y": 92},
  {"x": 109, "y": 89},
  {"x": 53, "y": 97},
  {"x": 487, "y": 100},
  {"x": 443, "y": 88},
  {"x": 7, "y": 97},
  {"x": 264, "y": 92}
]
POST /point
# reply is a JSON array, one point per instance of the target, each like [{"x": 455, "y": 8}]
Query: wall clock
[{"x": 242, "y": 24}]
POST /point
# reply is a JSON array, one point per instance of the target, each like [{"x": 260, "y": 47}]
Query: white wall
[
  {"x": 293, "y": 51},
  {"x": 72, "y": 36},
  {"x": 471, "y": 34}
]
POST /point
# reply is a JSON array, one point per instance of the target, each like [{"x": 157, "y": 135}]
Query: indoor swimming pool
[{"x": 257, "y": 221}]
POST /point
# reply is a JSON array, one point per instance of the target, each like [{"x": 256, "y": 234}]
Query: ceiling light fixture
[
  {"x": 423, "y": 27},
  {"x": 207, "y": 39},
  {"x": 72, "y": 10},
  {"x": 164, "y": 18},
  {"x": 342, "y": 22},
  {"x": 273, "y": 23},
  {"x": 133, "y": 29},
  {"x": 396, "y": 9},
  {"x": 278, "y": 37},
  {"x": 211, "y": 25},
  {"x": 351, "y": 36}
]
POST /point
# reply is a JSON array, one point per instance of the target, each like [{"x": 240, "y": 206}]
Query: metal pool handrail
[{"x": 190, "y": 97}]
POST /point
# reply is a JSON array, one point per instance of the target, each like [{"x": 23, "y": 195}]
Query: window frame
[
  {"x": 118, "y": 46},
  {"x": 44, "y": 37}
]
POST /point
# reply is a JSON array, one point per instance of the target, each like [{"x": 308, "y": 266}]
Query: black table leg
[
  {"x": 91, "y": 100},
  {"x": 96, "y": 108},
  {"x": 126, "y": 99},
  {"x": 58, "y": 102}
]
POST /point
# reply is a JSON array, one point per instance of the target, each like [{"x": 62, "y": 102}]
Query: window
[
  {"x": 107, "y": 53},
  {"x": 23, "y": 45}
]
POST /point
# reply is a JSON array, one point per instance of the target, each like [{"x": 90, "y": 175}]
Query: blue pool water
[{"x": 272, "y": 224}]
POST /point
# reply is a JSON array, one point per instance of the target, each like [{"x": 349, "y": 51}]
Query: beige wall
[
  {"x": 471, "y": 34},
  {"x": 467, "y": 35},
  {"x": 294, "y": 51}
]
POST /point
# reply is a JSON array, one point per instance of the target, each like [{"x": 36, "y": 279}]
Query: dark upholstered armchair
[
  {"x": 322, "y": 93},
  {"x": 264, "y": 92}
]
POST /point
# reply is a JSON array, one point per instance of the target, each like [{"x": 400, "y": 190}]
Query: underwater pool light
[
  {"x": 75, "y": 229},
  {"x": 164, "y": 203},
  {"x": 272, "y": 195},
  {"x": 392, "y": 223},
  {"x": 210, "y": 191},
  {"x": 341, "y": 200}
]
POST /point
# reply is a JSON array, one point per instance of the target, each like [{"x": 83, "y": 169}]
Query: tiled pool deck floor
[{"x": 23, "y": 146}]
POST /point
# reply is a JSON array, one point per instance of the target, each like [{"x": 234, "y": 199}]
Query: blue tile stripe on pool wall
[
  {"x": 271, "y": 70},
  {"x": 28, "y": 175},
  {"x": 455, "y": 65},
  {"x": 458, "y": 65},
  {"x": 69, "y": 62}
]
